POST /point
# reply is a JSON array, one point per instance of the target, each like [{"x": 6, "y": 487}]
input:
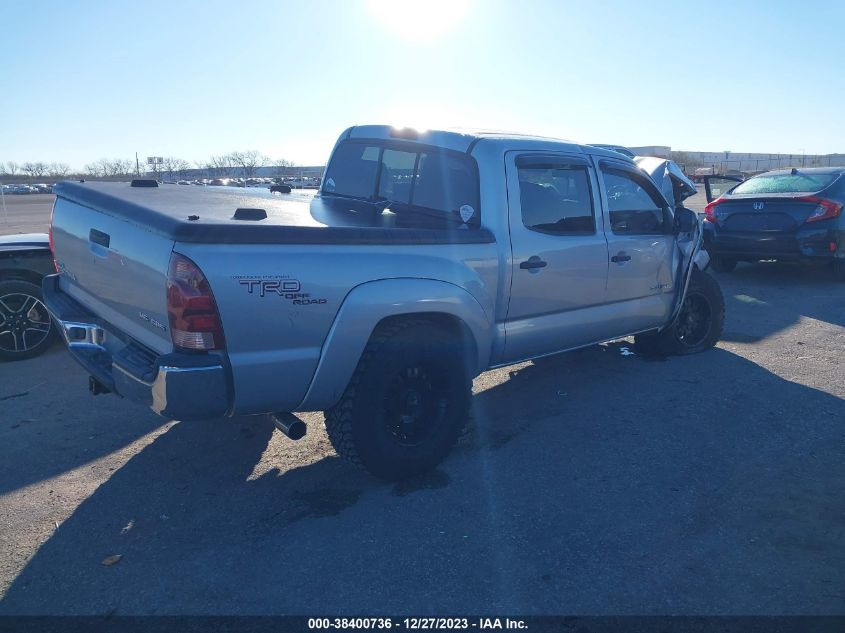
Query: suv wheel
[
  {"x": 839, "y": 269},
  {"x": 722, "y": 264},
  {"x": 406, "y": 403},
  {"x": 26, "y": 329},
  {"x": 699, "y": 325}
]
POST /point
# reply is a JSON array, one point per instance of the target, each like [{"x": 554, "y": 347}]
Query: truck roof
[{"x": 465, "y": 140}]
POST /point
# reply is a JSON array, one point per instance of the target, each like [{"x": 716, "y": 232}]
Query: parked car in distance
[
  {"x": 791, "y": 214},
  {"x": 425, "y": 259},
  {"x": 25, "y": 326}
]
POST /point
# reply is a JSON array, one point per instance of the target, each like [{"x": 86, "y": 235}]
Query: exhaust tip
[{"x": 289, "y": 424}]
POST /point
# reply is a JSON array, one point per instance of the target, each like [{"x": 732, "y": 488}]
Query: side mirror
[{"x": 685, "y": 220}]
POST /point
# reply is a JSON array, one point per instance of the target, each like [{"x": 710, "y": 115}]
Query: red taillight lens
[
  {"x": 825, "y": 209},
  {"x": 50, "y": 237},
  {"x": 194, "y": 319},
  {"x": 710, "y": 210}
]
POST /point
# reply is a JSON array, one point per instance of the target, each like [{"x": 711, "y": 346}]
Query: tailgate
[{"x": 115, "y": 268}]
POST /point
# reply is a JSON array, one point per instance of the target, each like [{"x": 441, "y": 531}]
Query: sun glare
[{"x": 419, "y": 20}]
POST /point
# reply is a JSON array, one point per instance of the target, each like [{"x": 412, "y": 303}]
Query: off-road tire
[
  {"x": 16, "y": 290},
  {"x": 648, "y": 344},
  {"x": 703, "y": 293},
  {"x": 362, "y": 427},
  {"x": 722, "y": 264}
]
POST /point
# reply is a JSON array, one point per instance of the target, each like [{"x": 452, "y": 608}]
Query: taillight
[
  {"x": 194, "y": 319},
  {"x": 825, "y": 209},
  {"x": 50, "y": 237},
  {"x": 710, "y": 210}
]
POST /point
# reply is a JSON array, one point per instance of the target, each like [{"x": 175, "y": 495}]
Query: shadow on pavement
[
  {"x": 593, "y": 482},
  {"x": 765, "y": 298},
  {"x": 39, "y": 419}
]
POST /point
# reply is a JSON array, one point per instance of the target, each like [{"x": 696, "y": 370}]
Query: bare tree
[
  {"x": 282, "y": 167},
  {"x": 222, "y": 166},
  {"x": 123, "y": 167},
  {"x": 174, "y": 166},
  {"x": 204, "y": 166},
  {"x": 110, "y": 168},
  {"x": 58, "y": 170},
  {"x": 34, "y": 170},
  {"x": 95, "y": 169},
  {"x": 685, "y": 161},
  {"x": 249, "y": 161},
  {"x": 12, "y": 168}
]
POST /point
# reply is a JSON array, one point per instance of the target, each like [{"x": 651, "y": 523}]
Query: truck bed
[{"x": 207, "y": 215}]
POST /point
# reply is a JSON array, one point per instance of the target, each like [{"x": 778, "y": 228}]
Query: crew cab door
[
  {"x": 558, "y": 254},
  {"x": 715, "y": 186},
  {"x": 641, "y": 244}
]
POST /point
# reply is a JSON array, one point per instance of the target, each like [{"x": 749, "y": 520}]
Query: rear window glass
[
  {"x": 409, "y": 178},
  {"x": 785, "y": 183},
  {"x": 353, "y": 171}
]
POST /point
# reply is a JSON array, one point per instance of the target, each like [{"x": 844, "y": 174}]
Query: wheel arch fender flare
[{"x": 370, "y": 304}]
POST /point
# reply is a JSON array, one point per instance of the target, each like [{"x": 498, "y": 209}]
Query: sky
[{"x": 109, "y": 78}]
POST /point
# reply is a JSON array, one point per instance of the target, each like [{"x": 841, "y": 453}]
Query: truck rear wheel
[
  {"x": 406, "y": 403},
  {"x": 699, "y": 325}
]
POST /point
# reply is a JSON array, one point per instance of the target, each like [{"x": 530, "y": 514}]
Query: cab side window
[
  {"x": 556, "y": 198},
  {"x": 635, "y": 208}
]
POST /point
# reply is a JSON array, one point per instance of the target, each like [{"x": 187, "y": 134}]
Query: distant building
[
  {"x": 746, "y": 162},
  {"x": 661, "y": 151}
]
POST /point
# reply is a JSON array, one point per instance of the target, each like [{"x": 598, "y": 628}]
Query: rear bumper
[
  {"x": 805, "y": 243},
  {"x": 177, "y": 386}
]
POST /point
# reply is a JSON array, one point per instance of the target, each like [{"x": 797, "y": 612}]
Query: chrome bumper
[{"x": 177, "y": 386}]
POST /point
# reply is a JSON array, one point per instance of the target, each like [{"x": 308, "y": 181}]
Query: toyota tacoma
[{"x": 424, "y": 259}]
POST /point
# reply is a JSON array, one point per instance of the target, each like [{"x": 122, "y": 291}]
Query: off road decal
[{"x": 282, "y": 287}]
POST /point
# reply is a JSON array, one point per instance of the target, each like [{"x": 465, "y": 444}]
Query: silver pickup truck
[{"x": 424, "y": 259}]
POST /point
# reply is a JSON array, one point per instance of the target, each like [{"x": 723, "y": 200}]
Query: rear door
[
  {"x": 559, "y": 254},
  {"x": 641, "y": 245},
  {"x": 716, "y": 186}
]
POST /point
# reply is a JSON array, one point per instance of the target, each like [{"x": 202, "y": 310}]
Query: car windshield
[{"x": 799, "y": 182}]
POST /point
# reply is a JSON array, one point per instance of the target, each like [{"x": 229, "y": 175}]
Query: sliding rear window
[
  {"x": 409, "y": 178},
  {"x": 786, "y": 183}
]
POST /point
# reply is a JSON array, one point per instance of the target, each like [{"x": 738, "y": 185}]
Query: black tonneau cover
[{"x": 206, "y": 215}]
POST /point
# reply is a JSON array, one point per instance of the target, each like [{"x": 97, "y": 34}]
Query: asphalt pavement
[
  {"x": 595, "y": 482},
  {"x": 25, "y": 213}
]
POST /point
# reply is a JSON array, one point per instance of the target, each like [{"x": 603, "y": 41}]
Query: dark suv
[{"x": 788, "y": 214}]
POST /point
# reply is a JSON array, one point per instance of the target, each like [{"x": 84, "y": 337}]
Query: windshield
[
  {"x": 407, "y": 177},
  {"x": 786, "y": 183}
]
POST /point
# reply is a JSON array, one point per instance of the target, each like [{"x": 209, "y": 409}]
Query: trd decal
[{"x": 285, "y": 288}]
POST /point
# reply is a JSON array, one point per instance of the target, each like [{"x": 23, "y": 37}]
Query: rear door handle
[
  {"x": 620, "y": 257},
  {"x": 532, "y": 263}
]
